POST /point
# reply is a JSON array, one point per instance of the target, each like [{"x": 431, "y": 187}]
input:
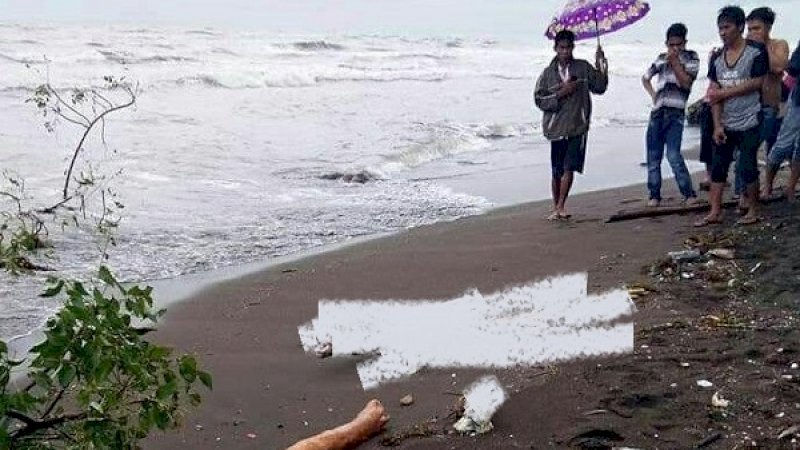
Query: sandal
[
  {"x": 553, "y": 216},
  {"x": 748, "y": 220},
  {"x": 706, "y": 221}
]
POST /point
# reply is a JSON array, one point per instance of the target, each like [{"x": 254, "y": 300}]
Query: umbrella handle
[{"x": 596, "y": 26}]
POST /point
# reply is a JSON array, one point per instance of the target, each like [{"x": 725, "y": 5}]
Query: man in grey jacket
[{"x": 563, "y": 93}]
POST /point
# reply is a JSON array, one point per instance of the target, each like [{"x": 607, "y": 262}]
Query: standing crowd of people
[{"x": 751, "y": 102}]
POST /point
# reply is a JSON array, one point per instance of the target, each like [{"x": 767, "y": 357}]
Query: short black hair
[
  {"x": 677, "y": 30},
  {"x": 564, "y": 35},
  {"x": 764, "y": 14},
  {"x": 731, "y": 14}
]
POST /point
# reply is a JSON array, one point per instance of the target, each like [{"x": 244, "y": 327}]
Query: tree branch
[
  {"x": 86, "y": 133},
  {"x": 53, "y": 403},
  {"x": 32, "y": 425},
  {"x": 61, "y": 101}
]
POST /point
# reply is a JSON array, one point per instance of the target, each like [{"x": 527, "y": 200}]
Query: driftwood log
[
  {"x": 671, "y": 210},
  {"x": 367, "y": 423}
]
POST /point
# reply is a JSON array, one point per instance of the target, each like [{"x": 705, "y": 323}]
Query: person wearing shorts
[
  {"x": 736, "y": 76},
  {"x": 563, "y": 93}
]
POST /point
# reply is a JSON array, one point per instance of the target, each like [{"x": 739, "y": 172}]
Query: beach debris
[
  {"x": 709, "y": 440},
  {"x": 636, "y": 290},
  {"x": 685, "y": 255},
  {"x": 198, "y": 427},
  {"x": 722, "y": 253},
  {"x": 705, "y": 383},
  {"x": 718, "y": 402},
  {"x": 794, "y": 366},
  {"x": 756, "y": 267},
  {"x": 289, "y": 270},
  {"x": 530, "y": 325},
  {"x": 481, "y": 400},
  {"x": 251, "y": 435},
  {"x": 407, "y": 400},
  {"x": 597, "y": 438},
  {"x": 685, "y": 364},
  {"x": 324, "y": 350},
  {"x": 790, "y": 432}
]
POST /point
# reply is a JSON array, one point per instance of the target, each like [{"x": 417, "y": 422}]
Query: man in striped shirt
[{"x": 674, "y": 71}]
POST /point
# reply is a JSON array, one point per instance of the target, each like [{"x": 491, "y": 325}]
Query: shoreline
[{"x": 246, "y": 329}]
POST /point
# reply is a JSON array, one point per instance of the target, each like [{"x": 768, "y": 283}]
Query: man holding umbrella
[{"x": 563, "y": 93}]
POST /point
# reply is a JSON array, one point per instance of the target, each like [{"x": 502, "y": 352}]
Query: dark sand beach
[{"x": 268, "y": 393}]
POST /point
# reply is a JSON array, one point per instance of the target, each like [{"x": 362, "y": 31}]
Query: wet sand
[{"x": 245, "y": 331}]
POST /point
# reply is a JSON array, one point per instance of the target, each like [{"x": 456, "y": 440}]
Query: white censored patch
[{"x": 548, "y": 321}]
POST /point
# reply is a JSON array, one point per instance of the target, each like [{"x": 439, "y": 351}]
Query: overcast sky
[{"x": 441, "y": 17}]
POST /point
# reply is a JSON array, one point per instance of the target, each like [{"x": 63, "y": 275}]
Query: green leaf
[
  {"x": 188, "y": 368},
  {"x": 53, "y": 290},
  {"x": 66, "y": 375},
  {"x": 167, "y": 390},
  {"x": 205, "y": 378},
  {"x": 106, "y": 276}
]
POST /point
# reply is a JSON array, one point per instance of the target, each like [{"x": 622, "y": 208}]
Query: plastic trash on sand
[{"x": 481, "y": 400}]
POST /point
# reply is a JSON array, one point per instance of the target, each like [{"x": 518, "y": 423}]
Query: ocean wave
[
  {"x": 317, "y": 45},
  {"x": 129, "y": 58},
  {"x": 16, "y": 89},
  {"x": 21, "y": 60},
  {"x": 203, "y": 32},
  {"x": 205, "y": 80}
]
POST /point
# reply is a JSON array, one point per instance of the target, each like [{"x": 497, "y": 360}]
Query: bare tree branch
[{"x": 92, "y": 123}]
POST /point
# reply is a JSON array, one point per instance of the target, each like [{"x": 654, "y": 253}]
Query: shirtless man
[{"x": 759, "y": 26}]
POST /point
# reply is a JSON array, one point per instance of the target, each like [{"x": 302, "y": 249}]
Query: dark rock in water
[
  {"x": 317, "y": 45},
  {"x": 693, "y": 113},
  {"x": 332, "y": 176},
  {"x": 360, "y": 177}
]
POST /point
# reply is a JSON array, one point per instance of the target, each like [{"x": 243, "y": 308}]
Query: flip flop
[
  {"x": 705, "y": 221},
  {"x": 748, "y": 220}
]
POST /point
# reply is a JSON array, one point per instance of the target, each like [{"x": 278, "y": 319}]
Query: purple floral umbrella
[{"x": 592, "y": 18}]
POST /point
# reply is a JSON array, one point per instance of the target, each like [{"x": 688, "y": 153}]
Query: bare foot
[
  {"x": 367, "y": 423},
  {"x": 708, "y": 220},
  {"x": 373, "y": 417}
]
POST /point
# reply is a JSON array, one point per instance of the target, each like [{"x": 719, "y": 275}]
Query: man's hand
[
  {"x": 716, "y": 95},
  {"x": 600, "y": 61},
  {"x": 719, "y": 135},
  {"x": 673, "y": 57},
  {"x": 567, "y": 88}
]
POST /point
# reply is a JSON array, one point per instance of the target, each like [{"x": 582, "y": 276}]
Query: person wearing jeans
[
  {"x": 786, "y": 146},
  {"x": 675, "y": 71}
]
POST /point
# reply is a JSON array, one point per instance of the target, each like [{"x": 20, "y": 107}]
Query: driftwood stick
[
  {"x": 367, "y": 423},
  {"x": 671, "y": 210}
]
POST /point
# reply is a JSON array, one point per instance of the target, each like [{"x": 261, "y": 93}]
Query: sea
[{"x": 255, "y": 139}]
